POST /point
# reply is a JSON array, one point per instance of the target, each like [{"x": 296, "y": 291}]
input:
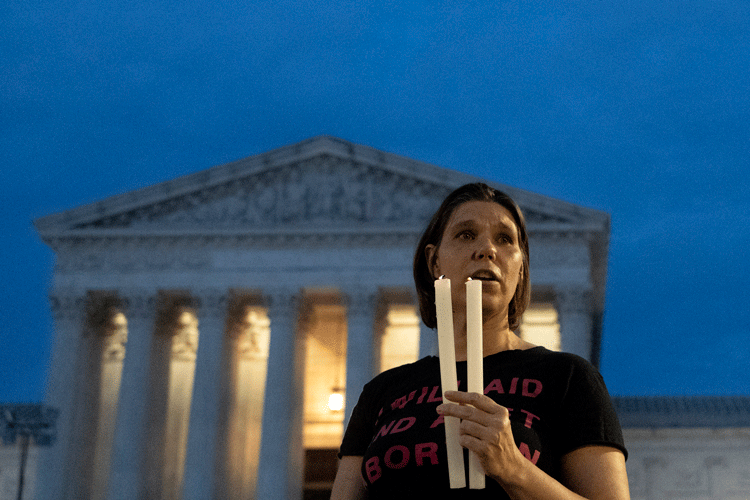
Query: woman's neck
[{"x": 496, "y": 336}]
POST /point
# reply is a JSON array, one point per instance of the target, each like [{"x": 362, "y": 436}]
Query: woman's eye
[
  {"x": 505, "y": 238},
  {"x": 465, "y": 235}
]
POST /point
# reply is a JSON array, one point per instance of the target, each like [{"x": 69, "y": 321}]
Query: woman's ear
[{"x": 430, "y": 253}]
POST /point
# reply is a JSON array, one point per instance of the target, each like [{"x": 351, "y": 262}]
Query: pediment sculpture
[
  {"x": 321, "y": 185},
  {"x": 322, "y": 191}
]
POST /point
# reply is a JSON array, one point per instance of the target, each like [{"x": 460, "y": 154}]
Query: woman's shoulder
[
  {"x": 541, "y": 353},
  {"x": 555, "y": 361},
  {"x": 566, "y": 358},
  {"x": 404, "y": 371}
]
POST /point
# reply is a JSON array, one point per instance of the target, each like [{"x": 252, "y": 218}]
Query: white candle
[
  {"x": 474, "y": 364},
  {"x": 448, "y": 379}
]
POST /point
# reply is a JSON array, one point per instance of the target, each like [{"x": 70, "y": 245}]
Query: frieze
[
  {"x": 189, "y": 252},
  {"x": 126, "y": 258},
  {"x": 323, "y": 190},
  {"x": 84, "y": 245}
]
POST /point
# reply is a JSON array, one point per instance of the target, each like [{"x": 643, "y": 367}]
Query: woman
[{"x": 544, "y": 427}]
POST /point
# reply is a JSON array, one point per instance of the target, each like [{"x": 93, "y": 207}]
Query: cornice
[
  {"x": 344, "y": 237},
  {"x": 683, "y": 412},
  {"x": 232, "y": 239}
]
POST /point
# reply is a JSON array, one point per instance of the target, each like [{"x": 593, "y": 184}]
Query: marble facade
[{"x": 181, "y": 311}]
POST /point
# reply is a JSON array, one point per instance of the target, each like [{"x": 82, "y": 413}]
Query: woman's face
[{"x": 480, "y": 242}]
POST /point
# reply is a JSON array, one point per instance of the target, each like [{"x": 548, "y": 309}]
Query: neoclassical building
[
  {"x": 687, "y": 447},
  {"x": 207, "y": 327}
]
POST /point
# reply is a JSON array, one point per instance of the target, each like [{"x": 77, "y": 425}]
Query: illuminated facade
[{"x": 206, "y": 326}]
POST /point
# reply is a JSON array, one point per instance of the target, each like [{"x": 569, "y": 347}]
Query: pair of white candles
[{"x": 448, "y": 377}]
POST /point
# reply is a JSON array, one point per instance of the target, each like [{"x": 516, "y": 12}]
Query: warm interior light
[
  {"x": 540, "y": 326},
  {"x": 336, "y": 401}
]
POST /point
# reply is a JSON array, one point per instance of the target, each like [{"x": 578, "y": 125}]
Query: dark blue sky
[{"x": 640, "y": 109}]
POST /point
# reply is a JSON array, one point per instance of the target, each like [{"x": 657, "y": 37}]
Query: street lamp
[{"x": 27, "y": 421}]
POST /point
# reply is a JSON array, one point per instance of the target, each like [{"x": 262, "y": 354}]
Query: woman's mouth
[{"x": 486, "y": 275}]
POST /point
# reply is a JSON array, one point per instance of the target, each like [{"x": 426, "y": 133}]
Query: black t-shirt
[{"x": 557, "y": 402}]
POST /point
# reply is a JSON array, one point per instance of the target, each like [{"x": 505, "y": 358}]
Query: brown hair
[{"x": 433, "y": 234}]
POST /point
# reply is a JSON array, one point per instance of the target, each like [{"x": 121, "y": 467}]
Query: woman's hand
[
  {"x": 485, "y": 430},
  {"x": 592, "y": 472}
]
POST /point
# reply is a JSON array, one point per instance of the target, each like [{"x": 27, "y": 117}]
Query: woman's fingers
[
  {"x": 485, "y": 429},
  {"x": 472, "y": 406},
  {"x": 478, "y": 413},
  {"x": 474, "y": 399}
]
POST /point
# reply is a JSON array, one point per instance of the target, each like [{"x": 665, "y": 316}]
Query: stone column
[
  {"x": 88, "y": 457},
  {"x": 281, "y": 453},
  {"x": 428, "y": 341},
  {"x": 112, "y": 357},
  {"x": 361, "y": 304},
  {"x": 202, "y": 449},
  {"x": 244, "y": 385},
  {"x": 574, "y": 311},
  {"x": 125, "y": 481},
  {"x": 68, "y": 310}
]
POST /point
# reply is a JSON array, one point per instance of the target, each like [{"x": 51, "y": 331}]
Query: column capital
[
  {"x": 360, "y": 299},
  {"x": 101, "y": 308},
  {"x": 114, "y": 349},
  {"x": 67, "y": 304},
  {"x": 250, "y": 335},
  {"x": 104, "y": 320}
]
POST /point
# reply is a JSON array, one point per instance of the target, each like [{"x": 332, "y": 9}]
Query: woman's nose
[{"x": 485, "y": 249}]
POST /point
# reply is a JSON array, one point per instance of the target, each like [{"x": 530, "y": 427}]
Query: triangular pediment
[{"x": 323, "y": 184}]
